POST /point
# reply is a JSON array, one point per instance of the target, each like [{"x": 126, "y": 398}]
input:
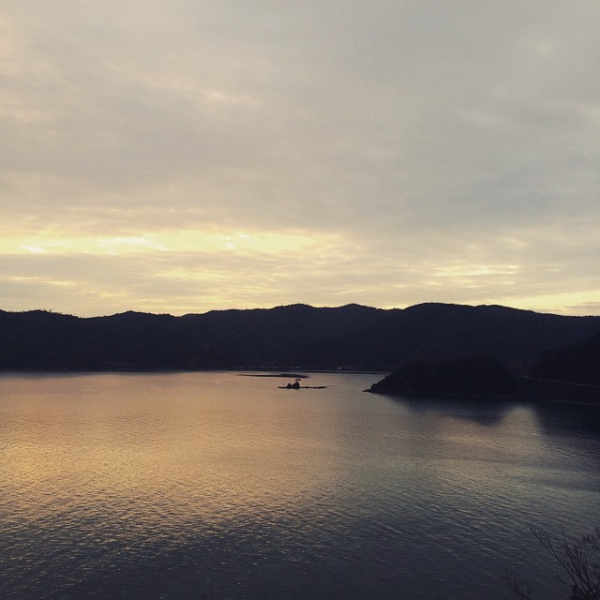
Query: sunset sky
[{"x": 182, "y": 156}]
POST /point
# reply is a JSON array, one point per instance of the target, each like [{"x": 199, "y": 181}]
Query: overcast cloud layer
[{"x": 186, "y": 155}]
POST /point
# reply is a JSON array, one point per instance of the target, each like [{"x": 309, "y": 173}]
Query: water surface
[{"x": 148, "y": 486}]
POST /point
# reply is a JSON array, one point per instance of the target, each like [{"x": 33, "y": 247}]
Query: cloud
[{"x": 423, "y": 138}]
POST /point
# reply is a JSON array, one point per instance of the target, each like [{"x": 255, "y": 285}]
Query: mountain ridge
[{"x": 349, "y": 337}]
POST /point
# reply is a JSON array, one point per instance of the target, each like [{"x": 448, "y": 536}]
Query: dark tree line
[{"x": 579, "y": 363}]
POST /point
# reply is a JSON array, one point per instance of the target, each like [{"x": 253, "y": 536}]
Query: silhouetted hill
[
  {"x": 577, "y": 363},
  {"x": 441, "y": 331},
  {"x": 300, "y": 336},
  {"x": 480, "y": 376}
]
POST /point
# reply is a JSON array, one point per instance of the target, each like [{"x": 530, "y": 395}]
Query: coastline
[{"x": 529, "y": 389}]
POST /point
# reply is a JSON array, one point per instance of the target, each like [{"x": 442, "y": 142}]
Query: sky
[{"x": 183, "y": 156}]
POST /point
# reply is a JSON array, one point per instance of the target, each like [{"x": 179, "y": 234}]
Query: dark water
[{"x": 178, "y": 485}]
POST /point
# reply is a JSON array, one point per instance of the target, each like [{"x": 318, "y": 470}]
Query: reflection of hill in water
[
  {"x": 573, "y": 422},
  {"x": 572, "y": 434},
  {"x": 569, "y": 421},
  {"x": 487, "y": 412}
]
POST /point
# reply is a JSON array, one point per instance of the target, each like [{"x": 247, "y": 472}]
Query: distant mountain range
[{"x": 350, "y": 337}]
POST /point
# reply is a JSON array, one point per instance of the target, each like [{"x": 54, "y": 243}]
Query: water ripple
[{"x": 167, "y": 487}]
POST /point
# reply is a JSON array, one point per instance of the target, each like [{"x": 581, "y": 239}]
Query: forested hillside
[
  {"x": 350, "y": 337},
  {"x": 578, "y": 363}
]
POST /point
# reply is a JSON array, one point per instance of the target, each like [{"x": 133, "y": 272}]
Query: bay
[{"x": 179, "y": 485}]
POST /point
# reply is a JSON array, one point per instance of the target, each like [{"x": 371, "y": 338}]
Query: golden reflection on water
[
  {"x": 195, "y": 448},
  {"x": 124, "y": 469}
]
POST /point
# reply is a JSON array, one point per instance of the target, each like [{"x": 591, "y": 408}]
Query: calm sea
[{"x": 176, "y": 486}]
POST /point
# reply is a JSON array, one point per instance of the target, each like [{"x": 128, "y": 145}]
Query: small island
[
  {"x": 569, "y": 375},
  {"x": 463, "y": 377}
]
